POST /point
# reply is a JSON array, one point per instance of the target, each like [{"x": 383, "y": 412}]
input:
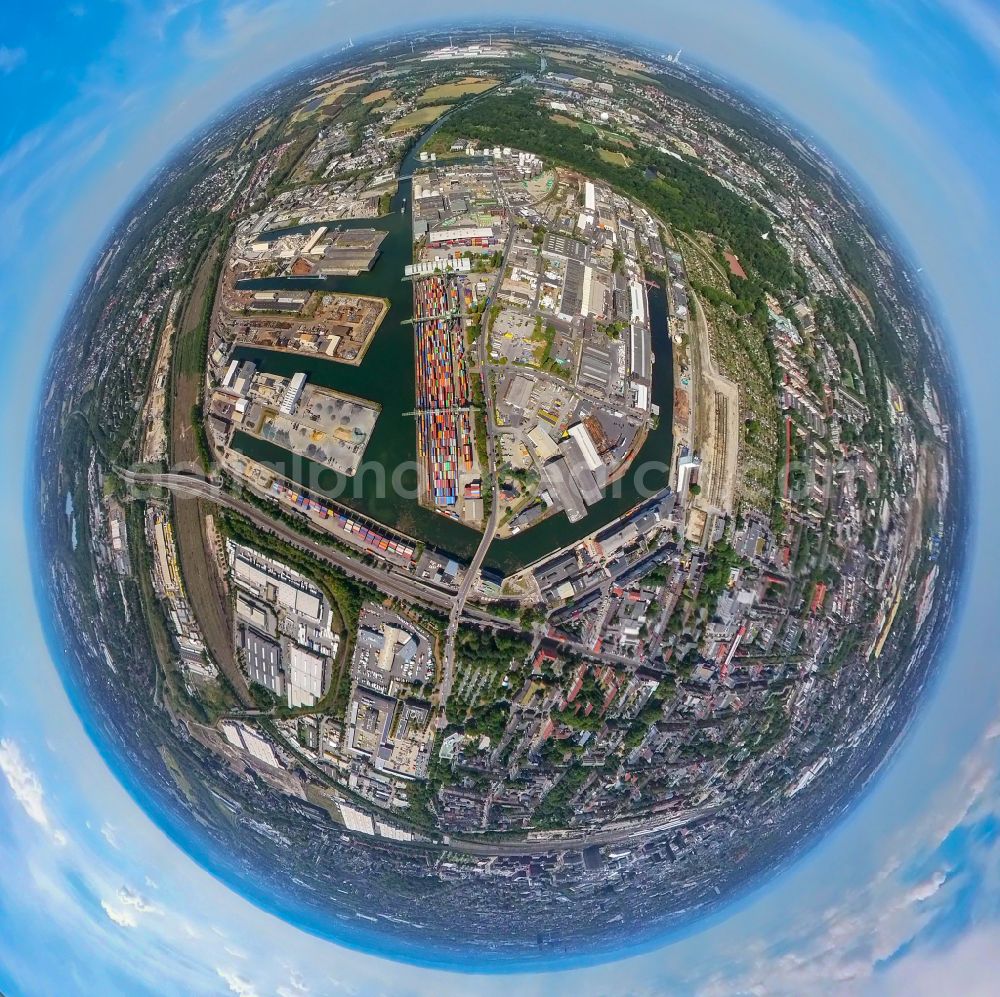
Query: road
[
  {"x": 613, "y": 835},
  {"x": 584, "y": 651},
  {"x": 457, "y": 609},
  {"x": 389, "y": 581},
  {"x": 620, "y": 832}
]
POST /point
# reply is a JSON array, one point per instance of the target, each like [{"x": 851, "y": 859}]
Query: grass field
[
  {"x": 588, "y": 129},
  {"x": 452, "y": 91},
  {"x": 417, "y": 118},
  {"x": 338, "y": 90},
  {"x": 330, "y": 96},
  {"x": 617, "y": 139},
  {"x": 375, "y": 96},
  {"x": 614, "y": 158},
  {"x": 189, "y": 343},
  {"x": 262, "y": 129}
]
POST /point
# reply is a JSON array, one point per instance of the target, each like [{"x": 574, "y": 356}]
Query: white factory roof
[
  {"x": 252, "y": 612},
  {"x": 355, "y": 820},
  {"x": 543, "y": 443},
  {"x": 241, "y": 736},
  {"x": 305, "y": 678},
  {"x": 288, "y": 596},
  {"x": 638, "y": 301},
  {"x": 395, "y": 833},
  {"x": 227, "y": 381},
  {"x": 588, "y": 279},
  {"x": 311, "y": 242},
  {"x": 460, "y": 233},
  {"x": 461, "y": 265},
  {"x": 586, "y": 444},
  {"x": 292, "y": 393}
]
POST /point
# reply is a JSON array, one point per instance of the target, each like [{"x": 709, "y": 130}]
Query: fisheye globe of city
[{"x": 499, "y": 495}]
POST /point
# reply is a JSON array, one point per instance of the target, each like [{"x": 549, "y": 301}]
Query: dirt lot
[{"x": 682, "y": 409}]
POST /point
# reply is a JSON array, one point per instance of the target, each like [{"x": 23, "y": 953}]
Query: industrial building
[
  {"x": 687, "y": 473},
  {"x": 582, "y": 475},
  {"x": 597, "y": 361},
  {"x": 587, "y": 448},
  {"x": 282, "y": 628},
  {"x": 292, "y": 394},
  {"x": 263, "y": 660},
  {"x": 558, "y": 478},
  {"x": 307, "y": 676},
  {"x": 518, "y": 392}
]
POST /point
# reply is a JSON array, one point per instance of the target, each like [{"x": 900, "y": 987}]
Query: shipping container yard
[{"x": 444, "y": 423}]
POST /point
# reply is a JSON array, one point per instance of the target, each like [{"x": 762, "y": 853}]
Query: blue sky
[{"x": 904, "y": 897}]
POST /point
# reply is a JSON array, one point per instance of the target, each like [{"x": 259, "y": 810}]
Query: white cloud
[
  {"x": 27, "y": 788},
  {"x": 123, "y": 918},
  {"x": 137, "y": 901},
  {"x": 926, "y": 890},
  {"x": 27, "y": 192},
  {"x": 237, "y": 984},
  {"x": 884, "y": 919},
  {"x": 10, "y": 59},
  {"x": 295, "y": 988}
]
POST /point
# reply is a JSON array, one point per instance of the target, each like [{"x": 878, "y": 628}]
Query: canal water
[{"x": 385, "y": 487}]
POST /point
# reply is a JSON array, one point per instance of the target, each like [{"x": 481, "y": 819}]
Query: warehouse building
[{"x": 559, "y": 480}]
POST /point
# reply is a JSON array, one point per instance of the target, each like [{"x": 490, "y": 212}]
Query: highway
[{"x": 386, "y": 579}]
